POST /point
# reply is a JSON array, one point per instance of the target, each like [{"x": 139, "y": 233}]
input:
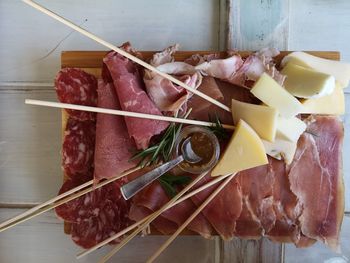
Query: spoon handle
[{"x": 130, "y": 189}]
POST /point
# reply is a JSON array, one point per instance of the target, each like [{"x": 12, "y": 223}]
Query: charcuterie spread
[{"x": 288, "y": 185}]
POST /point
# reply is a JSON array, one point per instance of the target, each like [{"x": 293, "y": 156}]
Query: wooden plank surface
[
  {"x": 31, "y": 42},
  {"x": 42, "y": 240}
]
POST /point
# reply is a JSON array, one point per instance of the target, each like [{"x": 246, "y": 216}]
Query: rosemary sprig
[
  {"x": 163, "y": 149},
  {"x": 220, "y": 132},
  {"x": 170, "y": 182}
]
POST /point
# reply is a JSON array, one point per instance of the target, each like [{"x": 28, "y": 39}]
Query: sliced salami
[
  {"x": 78, "y": 146},
  {"x": 75, "y": 86},
  {"x": 96, "y": 215}
]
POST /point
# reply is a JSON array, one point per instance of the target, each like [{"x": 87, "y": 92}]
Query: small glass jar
[{"x": 204, "y": 144}]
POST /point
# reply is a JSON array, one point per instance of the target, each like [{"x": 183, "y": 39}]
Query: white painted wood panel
[
  {"x": 255, "y": 24},
  {"x": 42, "y": 240},
  {"x": 320, "y": 25},
  {"x": 27, "y": 36},
  {"x": 319, "y": 252},
  {"x": 30, "y": 142}
]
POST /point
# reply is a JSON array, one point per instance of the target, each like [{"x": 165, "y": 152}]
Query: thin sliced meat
[
  {"x": 94, "y": 216},
  {"x": 132, "y": 97},
  {"x": 168, "y": 96},
  {"x": 253, "y": 67},
  {"x": 78, "y": 147},
  {"x": 114, "y": 147},
  {"x": 161, "y": 224},
  {"x": 75, "y": 86},
  {"x": 223, "y": 69},
  {"x": 257, "y": 190},
  {"x": 319, "y": 151},
  {"x": 223, "y": 211},
  {"x": 153, "y": 198}
]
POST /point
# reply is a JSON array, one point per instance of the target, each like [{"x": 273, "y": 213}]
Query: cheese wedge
[
  {"x": 262, "y": 119},
  {"x": 245, "y": 150},
  {"x": 307, "y": 83},
  {"x": 340, "y": 70},
  {"x": 272, "y": 94},
  {"x": 281, "y": 149},
  {"x": 290, "y": 129},
  {"x": 333, "y": 104}
]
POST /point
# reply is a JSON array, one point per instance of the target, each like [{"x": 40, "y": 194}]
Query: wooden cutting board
[{"x": 91, "y": 62}]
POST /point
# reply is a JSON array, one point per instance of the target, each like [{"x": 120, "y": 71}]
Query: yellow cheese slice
[
  {"x": 262, "y": 119},
  {"x": 272, "y": 94},
  {"x": 340, "y": 70},
  {"x": 333, "y": 104},
  {"x": 307, "y": 83},
  {"x": 290, "y": 129},
  {"x": 245, "y": 150},
  {"x": 281, "y": 149}
]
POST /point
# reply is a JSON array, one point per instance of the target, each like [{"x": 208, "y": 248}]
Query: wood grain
[
  {"x": 42, "y": 240},
  {"x": 93, "y": 59}
]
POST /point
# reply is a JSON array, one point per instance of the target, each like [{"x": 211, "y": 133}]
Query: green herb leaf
[
  {"x": 220, "y": 132},
  {"x": 170, "y": 182},
  {"x": 161, "y": 151}
]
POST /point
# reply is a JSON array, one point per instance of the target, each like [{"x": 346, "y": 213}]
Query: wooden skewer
[
  {"x": 122, "y": 113},
  {"x": 188, "y": 220},
  {"x": 129, "y": 228},
  {"x": 152, "y": 217},
  {"x": 57, "y": 201},
  {"x": 124, "y": 53}
]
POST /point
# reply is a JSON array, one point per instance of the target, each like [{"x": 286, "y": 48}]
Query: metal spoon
[{"x": 130, "y": 189}]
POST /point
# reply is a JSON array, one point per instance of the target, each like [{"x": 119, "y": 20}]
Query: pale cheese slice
[
  {"x": 340, "y": 70},
  {"x": 281, "y": 149},
  {"x": 262, "y": 119},
  {"x": 307, "y": 83},
  {"x": 245, "y": 150},
  {"x": 272, "y": 94},
  {"x": 290, "y": 129},
  {"x": 333, "y": 104}
]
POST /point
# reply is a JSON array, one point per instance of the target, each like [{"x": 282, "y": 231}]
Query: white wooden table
[{"x": 30, "y": 46}]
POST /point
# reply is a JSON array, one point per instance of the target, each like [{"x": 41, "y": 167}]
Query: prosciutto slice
[
  {"x": 132, "y": 97},
  {"x": 223, "y": 211},
  {"x": 114, "y": 147},
  {"x": 320, "y": 192},
  {"x": 253, "y": 67},
  {"x": 168, "y": 96},
  {"x": 153, "y": 198}
]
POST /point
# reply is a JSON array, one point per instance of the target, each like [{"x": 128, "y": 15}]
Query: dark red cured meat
[
  {"x": 78, "y": 146},
  {"x": 96, "y": 215},
  {"x": 75, "y": 86},
  {"x": 68, "y": 211},
  {"x": 114, "y": 147},
  {"x": 132, "y": 97}
]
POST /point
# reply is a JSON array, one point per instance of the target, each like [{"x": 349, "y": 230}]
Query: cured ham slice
[
  {"x": 132, "y": 97},
  {"x": 320, "y": 192},
  {"x": 75, "y": 86},
  {"x": 223, "y": 211},
  {"x": 114, "y": 147},
  {"x": 257, "y": 188},
  {"x": 96, "y": 215},
  {"x": 168, "y": 96},
  {"x": 153, "y": 198},
  {"x": 253, "y": 67}
]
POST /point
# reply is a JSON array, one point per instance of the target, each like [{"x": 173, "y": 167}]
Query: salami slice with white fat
[
  {"x": 78, "y": 146},
  {"x": 75, "y": 86},
  {"x": 96, "y": 215}
]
